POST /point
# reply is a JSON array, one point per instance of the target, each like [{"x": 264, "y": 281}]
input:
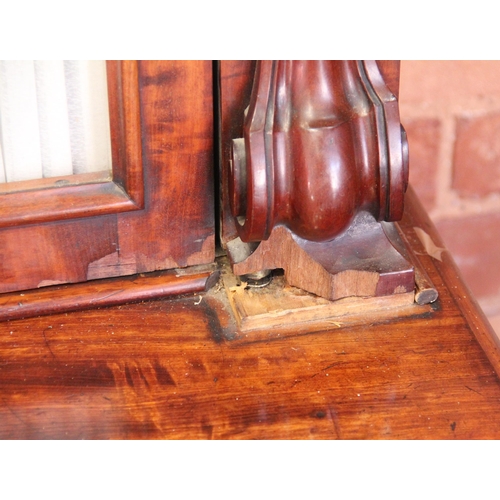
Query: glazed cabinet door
[{"x": 153, "y": 210}]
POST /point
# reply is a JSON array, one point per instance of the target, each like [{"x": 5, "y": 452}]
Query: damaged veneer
[{"x": 280, "y": 309}]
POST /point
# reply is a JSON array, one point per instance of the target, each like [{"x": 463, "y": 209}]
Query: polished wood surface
[
  {"x": 235, "y": 79},
  {"x": 179, "y": 369},
  {"x": 124, "y": 98},
  {"x": 106, "y": 292},
  {"x": 307, "y": 120},
  {"x": 320, "y": 161},
  {"x": 462, "y": 300},
  {"x": 86, "y": 195},
  {"x": 163, "y": 117},
  {"x": 235, "y": 82}
]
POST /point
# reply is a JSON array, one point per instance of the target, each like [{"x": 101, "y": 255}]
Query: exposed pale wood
[
  {"x": 101, "y": 293},
  {"x": 177, "y": 228},
  {"x": 332, "y": 269},
  {"x": 280, "y": 305},
  {"x": 178, "y": 368},
  {"x": 309, "y": 187},
  {"x": 54, "y": 252}
]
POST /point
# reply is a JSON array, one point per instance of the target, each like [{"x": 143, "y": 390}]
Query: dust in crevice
[{"x": 217, "y": 310}]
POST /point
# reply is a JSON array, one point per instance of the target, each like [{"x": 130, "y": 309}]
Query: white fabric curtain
[{"x": 54, "y": 119}]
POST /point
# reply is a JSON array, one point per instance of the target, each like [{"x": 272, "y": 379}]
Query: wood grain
[
  {"x": 363, "y": 265},
  {"x": 63, "y": 202},
  {"x": 321, "y": 159},
  {"x": 416, "y": 217},
  {"x": 235, "y": 82},
  {"x": 126, "y": 127},
  {"x": 172, "y": 103},
  {"x": 88, "y": 195},
  {"x": 177, "y": 228},
  {"x": 105, "y": 292},
  {"x": 278, "y": 305},
  {"x": 179, "y": 369}
]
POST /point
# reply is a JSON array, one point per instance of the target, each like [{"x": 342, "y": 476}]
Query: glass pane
[{"x": 54, "y": 119}]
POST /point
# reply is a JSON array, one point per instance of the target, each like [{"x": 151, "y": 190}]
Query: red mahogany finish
[
  {"x": 322, "y": 160},
  {"x": 178, "y": 369},
  {"x": 322, "y": 141},
  {"x": 160, "y": 356},
  {"x": 157, "y": 211},
  {"x": 106, "y": 292}
]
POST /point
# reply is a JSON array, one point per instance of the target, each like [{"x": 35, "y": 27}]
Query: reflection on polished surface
[
  {"x": 151, "y": 371},
  {"x": 177, "y": 368}
]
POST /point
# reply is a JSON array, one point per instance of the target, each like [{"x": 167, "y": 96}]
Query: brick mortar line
[
  {"x": 463, "y": 207},
  {"x": 448, "y": 203}
]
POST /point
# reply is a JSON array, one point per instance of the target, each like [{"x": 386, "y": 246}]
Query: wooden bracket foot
[
  {"x": 316, "y": 170},
  {"x": 362, "y": 262}
]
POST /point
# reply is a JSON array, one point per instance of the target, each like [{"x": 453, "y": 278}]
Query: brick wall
[{"x": 451, "y": 112}]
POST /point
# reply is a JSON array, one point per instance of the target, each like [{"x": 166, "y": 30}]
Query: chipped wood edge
[{"x": 280, "y": 319}]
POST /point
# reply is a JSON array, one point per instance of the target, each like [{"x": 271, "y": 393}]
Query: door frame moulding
[{"x": 92, "y": 194}]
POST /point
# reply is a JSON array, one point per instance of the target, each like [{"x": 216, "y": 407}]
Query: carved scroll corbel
[{"x": 322, "y": 161}]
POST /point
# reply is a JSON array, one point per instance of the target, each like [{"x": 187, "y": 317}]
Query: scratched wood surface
[{"x": 178, "y": 369}]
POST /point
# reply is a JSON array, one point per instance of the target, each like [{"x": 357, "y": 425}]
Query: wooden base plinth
[
  {"x": 362, "y": 262},
  {"x": 279, "y": 307}
]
